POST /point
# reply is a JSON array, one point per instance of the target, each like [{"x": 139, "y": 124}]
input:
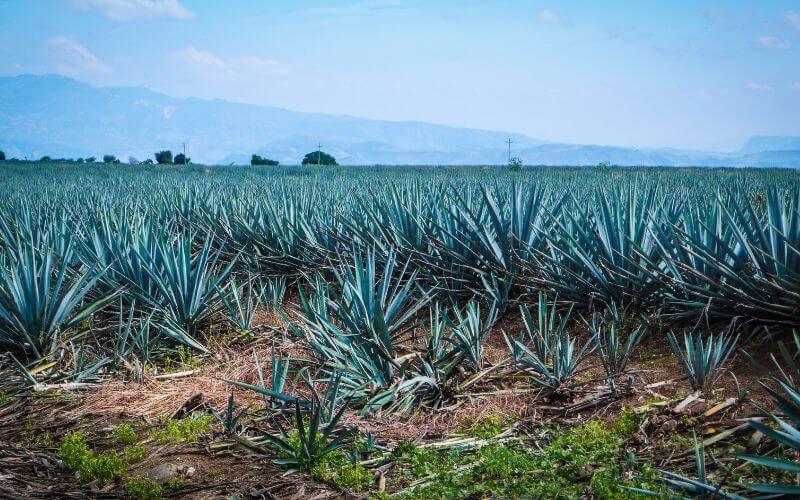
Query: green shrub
[
  {"x": 124, "y": 433},
  {"x": 144, "y": 488},
  {"x": 77, "y": 456}
]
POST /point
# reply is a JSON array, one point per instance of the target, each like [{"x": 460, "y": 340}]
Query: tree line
[{"x": 166, "y": 158}]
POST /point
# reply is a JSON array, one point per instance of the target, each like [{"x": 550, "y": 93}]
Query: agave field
[{"x": 412, "y": 332}]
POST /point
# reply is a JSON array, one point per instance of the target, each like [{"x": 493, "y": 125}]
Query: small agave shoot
[
  {"x": 231, "y": 420},
  {"x": 469, "y": 333},
  {"x": 314, "y": 436},
  {"x": 137, "y": 342},
  {"x": 614, "y": 352},
  {"x": 242, "y": 302},
  {"x": 42, "y": 297},
  {"x": 546, "y": 348},
  {"x": 702, "y": 360},
  {"x": 274, "y": 397}
]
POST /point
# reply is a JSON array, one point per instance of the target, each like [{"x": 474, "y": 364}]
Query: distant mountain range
[{"x": 56, "y": 116}]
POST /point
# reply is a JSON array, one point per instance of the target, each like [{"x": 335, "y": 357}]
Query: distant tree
[
  {"x": 515, "y": 164},
  {"x": 148, "y": 162},
  {"x": 182, "y": 159},
  {"x": 79, "y": 160},
  {"x": 91, "y": 159},
  {"x": 164, "y": 157},
  {"x": 2, "y": 156},
  {"x": 132, "y": 161},
  {"x": 109, "y": 159},
  {"x": 319, "y": 158},
  {"x": 257, "y": 160},
  {"x": 46, "y": 158}
]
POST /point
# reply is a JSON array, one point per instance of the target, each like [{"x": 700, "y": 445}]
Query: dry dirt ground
[{"x": 34, "y": 423}]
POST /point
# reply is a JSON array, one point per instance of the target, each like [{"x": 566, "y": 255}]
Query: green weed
[
  {"x": 144, "y": 488},
  {"x": 124, "y": 433},
  {"x": 184, "y": 431},
  {"x": 77, "y": 456}
]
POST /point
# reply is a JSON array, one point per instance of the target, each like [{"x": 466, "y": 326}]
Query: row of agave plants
[{"x": 179, "y": 255}]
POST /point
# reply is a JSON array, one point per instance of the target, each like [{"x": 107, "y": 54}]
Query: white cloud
[
  {"x": 68, "y": 57},
  {"x": 795, "y": 86},
  {"x": 206, "y": 61},
  {"x": 547, "y": 16},
  {"x": 759, "y": 87},
  {"x": 128, "y": 10},
  {"x": 200, "y": 58},
  {"x": 771, "y": 42},
  {"x": 793, "y": 18}
]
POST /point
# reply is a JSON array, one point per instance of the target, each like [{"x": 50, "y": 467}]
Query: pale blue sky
[{"x": 689, "y": 74}]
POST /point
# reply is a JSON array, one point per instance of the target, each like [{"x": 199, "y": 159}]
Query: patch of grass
[
  {"x": 37, "y": 438},
  {"x": 184, "y": 431},
  {"x": 588, "y": 460},
  {"x": 144, "y": 488},
  {"x": 77, "y": 456},
  {"x": 627, "y": 423},
  {"x": 184, "y": 359},
  {"x": 337, "y": 468},
  {"x": 4, "y": 398},
  {"x": 124, "y": 433}
]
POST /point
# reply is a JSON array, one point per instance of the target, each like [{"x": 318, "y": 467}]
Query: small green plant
[
  {"x": 124, "y": 433},
  {"x": 144, "y": 488},
  {"x": 515, "y": 164},
  {"x": 628, "y": 423},
  {"x": 134, "y": 453},
  {"x": 73, "y": 450},
  {"x": 184, "y": 431},
  {"x": 486, "y": 427},
  {"x": 76, "y": 455}
]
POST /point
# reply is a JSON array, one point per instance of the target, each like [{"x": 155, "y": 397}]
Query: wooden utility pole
[
  {"x": 509, "y": 149},
  {"x": 319, "y": 154}
]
